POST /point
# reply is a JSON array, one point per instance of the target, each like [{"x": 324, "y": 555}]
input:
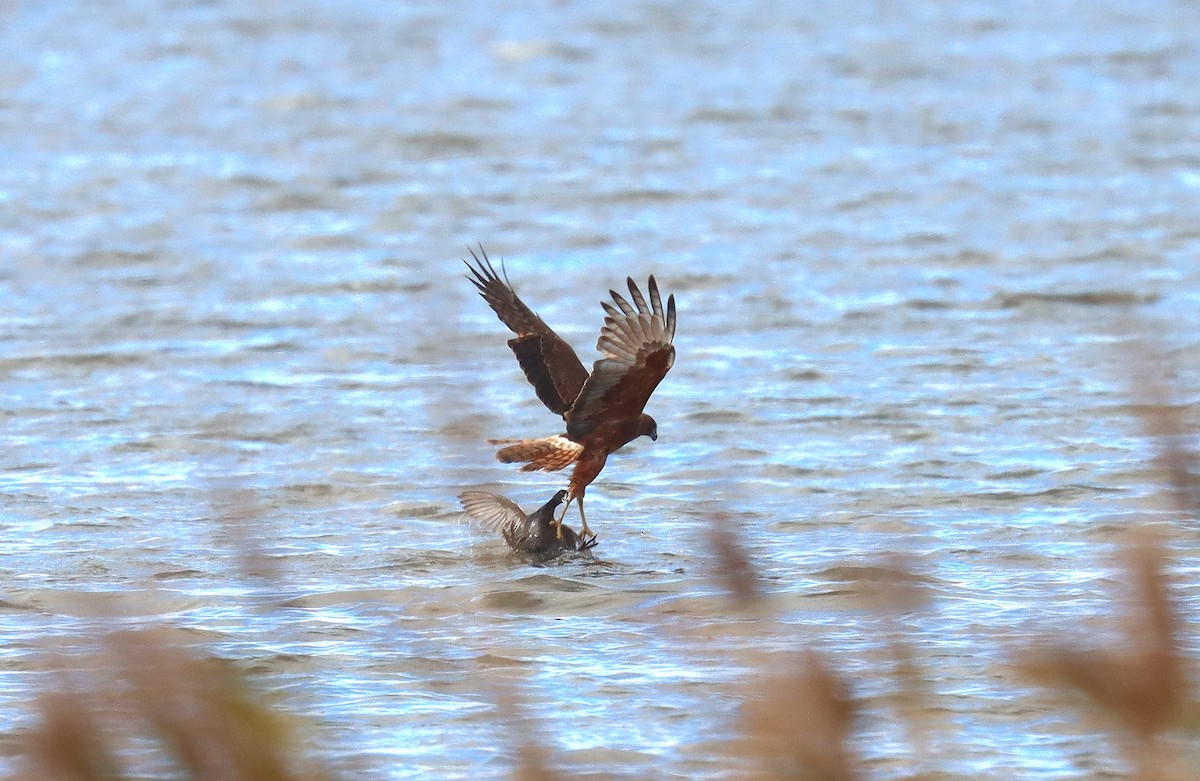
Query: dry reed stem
[
  {"x": 897, "y": 589},
  {"x": 1143, "y": 688},
  {"x": 198, "y": 712},
  {"x": 1155, "y": 402},
  {"x": 239, "y": 512},
  {"x": 528, "y": 736},
  {"x": 795, "y": 723},
  {"x": 735, "y": 572},
  {"x": 798, "y": 722},
  {"x": 203, "y": 712},
  {"x": 69, "y": 743}
]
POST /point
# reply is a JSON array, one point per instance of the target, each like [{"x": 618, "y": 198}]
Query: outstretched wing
[
  {"x": 549, "y": 363},
  {"x": 495, "y": 512},
  {"x": 636, "y": 341}
]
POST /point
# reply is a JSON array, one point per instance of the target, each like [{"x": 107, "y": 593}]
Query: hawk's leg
[
  {"x": 584, "y": 531},
  {"x": 558, "y": 522}
]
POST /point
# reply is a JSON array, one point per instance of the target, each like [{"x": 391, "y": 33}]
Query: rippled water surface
[{"x": 909, "y": 244}]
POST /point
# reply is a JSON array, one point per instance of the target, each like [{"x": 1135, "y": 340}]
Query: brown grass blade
[{"x": 799, "y": 722}]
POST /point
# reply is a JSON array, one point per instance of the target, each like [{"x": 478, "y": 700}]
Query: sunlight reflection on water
[{"x": 233, "y": 241}]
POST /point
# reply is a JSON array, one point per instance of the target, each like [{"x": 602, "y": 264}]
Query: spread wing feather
[
  {"x": 636, "y": 342},
  {"x": 495, "y": 512},
  {"x": 549, "y": 363}
]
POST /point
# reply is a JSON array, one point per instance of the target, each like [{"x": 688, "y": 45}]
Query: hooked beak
[{"x": 653, "y": 436}]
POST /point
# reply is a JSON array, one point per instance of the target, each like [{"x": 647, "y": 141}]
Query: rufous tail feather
[{"x": 548, "y": 454}]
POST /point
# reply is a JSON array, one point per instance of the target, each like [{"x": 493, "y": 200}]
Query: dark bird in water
[
  {"x": 534, "y": 533},
  {"x": 603, "y": 409}
]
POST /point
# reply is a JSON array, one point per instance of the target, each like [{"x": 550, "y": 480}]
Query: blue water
[{"x": 918, "y": 252}]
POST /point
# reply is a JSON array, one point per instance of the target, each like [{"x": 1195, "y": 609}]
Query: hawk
[
  {"x": 603, "y": 409},
  {"x": 533, "y": 533}
]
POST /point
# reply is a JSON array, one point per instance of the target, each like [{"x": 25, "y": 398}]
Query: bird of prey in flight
[{"x": 602, "y": 409}]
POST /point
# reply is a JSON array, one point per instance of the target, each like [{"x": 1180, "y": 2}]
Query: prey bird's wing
[
  {"x": 636, "y": 342},
  {"x": 549, "y": 363},
  {"x": 495, "y": 512}
]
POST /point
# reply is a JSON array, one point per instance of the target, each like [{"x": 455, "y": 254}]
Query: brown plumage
[
  {"x": 603, "y": 409},
  {"x": 534, "y": 534}
]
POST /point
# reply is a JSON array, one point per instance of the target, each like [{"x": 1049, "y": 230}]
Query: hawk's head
[{"x": 647, "y": 427}]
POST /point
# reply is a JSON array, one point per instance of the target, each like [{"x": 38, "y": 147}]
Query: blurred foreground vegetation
[{"x": 147, "y": 704}]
